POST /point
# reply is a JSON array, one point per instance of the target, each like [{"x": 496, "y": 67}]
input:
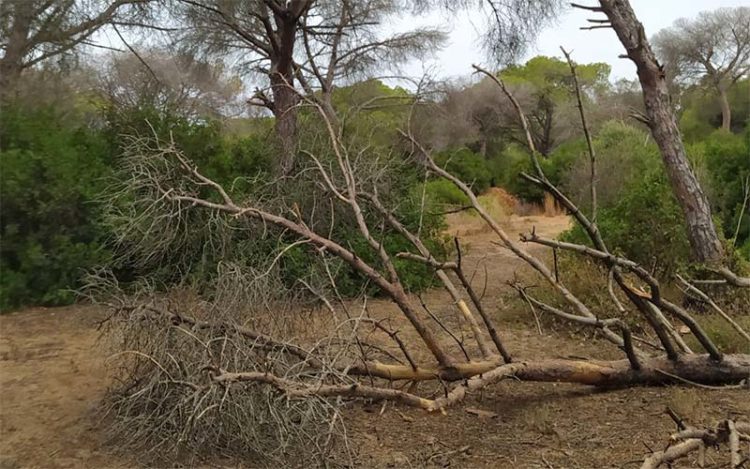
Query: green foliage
[
  {"x": 726, "y": 158},
  {"x": 551, "y": 76},
  {"x": 406, "y": 194},
  {"x": 187, "y": 248},
  {"x": 545, "y": 87},
  {"x": 646, "y": 224},
  {"x": 370, "y": 112},
  {"x": 623, "y": 153},
  {"x": 444, "y": 192},
  {"x": 53, "y": 168},
  {"x": 555, "y": 166},
  {"x": 55, "y": 171},
  {"x": 468, "y": 166},
  {"x": 638, "y": 214}
]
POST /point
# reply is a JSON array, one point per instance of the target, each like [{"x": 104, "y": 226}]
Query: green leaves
[{"x": 53, "y": 168}]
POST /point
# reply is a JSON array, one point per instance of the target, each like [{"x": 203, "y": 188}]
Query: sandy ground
[
  {"x": 52, "y": 375},
  {"x": 51, "y": 379}
]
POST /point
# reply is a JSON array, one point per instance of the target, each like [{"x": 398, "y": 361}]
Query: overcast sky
[{"x": 588, "y": 46}]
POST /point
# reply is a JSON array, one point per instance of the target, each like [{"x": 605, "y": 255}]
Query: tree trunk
[
  {"x": 726, "y": 111},
  {"x": 704, "y": 241},
  {"x": 285, "y": 97},
  {"x": 10, "y": 72},
  {"x": 16, "y": 46},
  {"x": 285, "y": 114}
]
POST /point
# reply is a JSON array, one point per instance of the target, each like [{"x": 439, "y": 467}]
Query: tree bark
[
  {"x": 704, "y": 241},
  {"x": 726, "y": 110},
  {"x": 285, "y": 98},
  {"x": 285, "y": 126},
  {"x": 11, "y": 64}
]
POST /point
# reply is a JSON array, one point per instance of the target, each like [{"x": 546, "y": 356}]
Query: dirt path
[{"x": 52, "y": 375}]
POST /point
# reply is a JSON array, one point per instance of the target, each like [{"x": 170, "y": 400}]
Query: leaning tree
[
  {"x": 660, "y": 117},
  {"x": 511, "y": 25}
]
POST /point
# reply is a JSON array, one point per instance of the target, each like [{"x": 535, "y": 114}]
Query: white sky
[
  {"x": 463, "y": 47},
  {"x": 599, "y": 45}
]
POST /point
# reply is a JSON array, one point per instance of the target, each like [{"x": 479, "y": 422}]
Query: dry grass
[
  {"x": 722, "y": 333},
  {"x": 690, "y": 405}
]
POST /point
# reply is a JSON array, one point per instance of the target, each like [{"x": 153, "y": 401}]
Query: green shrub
[
  {"x": 727, "y": 161},
  {"x": 53, "y": 168},
  {"x": 623, "y": 153},
  {"x": 189, "y": 248},
  {"x": 468, "y": 166},
  {"x": 555, "y": 165},
  {"x": 645, "y": 224},
  {"x": 443, "y": 192}
]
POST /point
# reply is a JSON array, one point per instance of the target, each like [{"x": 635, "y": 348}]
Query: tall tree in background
[
  {"x": 171, "y": 84},
  {"x": 476, "y": 114},
  {"x": 343, "y": 42},
  {"x": 714, "y": 48},
  {"x": 305, "y": 43},
  {"x": 265, "y": 33},
  {"x": 549, "y": 84},
  {"x": 33, "y": 31}
]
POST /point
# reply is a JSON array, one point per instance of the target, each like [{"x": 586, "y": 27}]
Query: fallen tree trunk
[
  {"x": 693, "y": 368},
  {"x": 656, "y": 370},
  {"x": 652, "y": 370}
]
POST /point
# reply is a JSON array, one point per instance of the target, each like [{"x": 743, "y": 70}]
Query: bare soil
[{"x": 53, "y": 374}]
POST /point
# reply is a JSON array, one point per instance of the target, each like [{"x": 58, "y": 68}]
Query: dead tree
[
  {"x": 689, "y": 439},
  {"x": 480, "y": 366}
]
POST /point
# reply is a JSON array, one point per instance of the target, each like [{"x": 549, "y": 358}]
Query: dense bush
[
  {"x": 64, "y": 211},
  {"x": 444, "y": 192},
  {"x": 726, "y": 158},
  {"x": 555, "y": 166},
  {"x": 701, "y": 111},
  {"x": 189, "y": 248},
  {"x": 645, "y": 223},
  {"x": 53, "y": 168},
  {"x": 623, "y": 153},
  {"x": 638, "y": 214},
  {"x": 468, "y": 166},
  {"x": 61, "y": 217}
]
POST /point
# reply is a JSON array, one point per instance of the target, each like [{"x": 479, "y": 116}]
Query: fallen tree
[{"x": 177, "y": 354}]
